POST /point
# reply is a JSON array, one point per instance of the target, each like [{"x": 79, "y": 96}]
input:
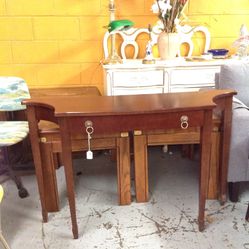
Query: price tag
[
  {"x": 89, "y": 131},
  {"x": 89, "y": 155}
]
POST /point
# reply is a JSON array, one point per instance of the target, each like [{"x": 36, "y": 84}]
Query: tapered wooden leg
[
  {"x": 49, "y": 178},
  {"x": 35, "y": 144},
  {"x": 141, "y": 167},
  {"x": 204, "y": 167},
  {"x": 213, "y": 182},
  {"x": 225, "y": 145},
  {"x": 123, "y": 170},
  {"x": 68, "y": 167}
]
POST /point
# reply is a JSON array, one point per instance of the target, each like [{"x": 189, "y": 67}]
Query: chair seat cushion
[{"x": 12, "y": 132}]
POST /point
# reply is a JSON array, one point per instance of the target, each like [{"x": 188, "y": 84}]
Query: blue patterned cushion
[
  {"x": 12, "y": 91},
  {"x": 12, "y": 132}
]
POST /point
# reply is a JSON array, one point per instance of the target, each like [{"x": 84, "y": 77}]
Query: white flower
[
  {"x": 177, "y": 24},
  {"x": 168, "y": 14},
  {"x": 155, "y": 8},
  {"x": 164, "y": 6},
  {"x": 177, "y": 21},
  {"x": 158, "y": 27}
]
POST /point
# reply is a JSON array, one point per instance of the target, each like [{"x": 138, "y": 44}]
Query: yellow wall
[{"x": 58, "y": 42}]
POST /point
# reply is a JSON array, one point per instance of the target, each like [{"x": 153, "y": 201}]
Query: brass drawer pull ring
[{"x": 184, "y": 122}]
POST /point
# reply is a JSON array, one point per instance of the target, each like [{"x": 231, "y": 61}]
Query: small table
[{"x": 110, "y": 114}]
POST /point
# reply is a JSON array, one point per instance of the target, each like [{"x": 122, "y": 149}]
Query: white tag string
[
  {"x": 89, "y": 131},
  {"x": 88, "y": 141}
]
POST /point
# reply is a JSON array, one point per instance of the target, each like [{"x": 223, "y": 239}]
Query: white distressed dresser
[{"x": 134, "y": 77}]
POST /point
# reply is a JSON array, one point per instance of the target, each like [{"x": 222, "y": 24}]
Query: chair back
[
  {"x": 235, "y": 76},
  {"x": 12, "y": 91},
  {"x": 130, "y": 38}
]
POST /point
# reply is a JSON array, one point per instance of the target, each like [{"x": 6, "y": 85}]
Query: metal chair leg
[
  {"x": 22, "y": 192},
  {"x": 233, "y": 188}
]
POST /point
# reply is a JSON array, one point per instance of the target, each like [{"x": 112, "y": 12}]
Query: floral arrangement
[
  {"x": 242, "y": 43},
  {"x": 169, "y": 12}
]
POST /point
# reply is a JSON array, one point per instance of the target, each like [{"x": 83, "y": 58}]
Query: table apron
[{"x": 123, "y": 123}]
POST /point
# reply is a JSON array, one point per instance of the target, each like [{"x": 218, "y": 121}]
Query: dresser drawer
[
  {"x": 136, "y": 90},
  {"x": 189, "y": 88},
  {"x": 137, "y": 78},
  {"x": 194, "y": 76}
]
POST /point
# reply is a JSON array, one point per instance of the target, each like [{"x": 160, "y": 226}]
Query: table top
[
  {"x": 64, "y": 91},
  {"x": 129, "y": 104}
]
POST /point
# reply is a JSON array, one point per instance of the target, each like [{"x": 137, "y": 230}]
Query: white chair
[
  {"x": 2, "y": 239},
  {"x": 236, "y": 76},
  {"x": 130, "y": 36}
]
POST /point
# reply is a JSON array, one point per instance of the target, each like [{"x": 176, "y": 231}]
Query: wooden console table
[{"x": 110, "y": 114}]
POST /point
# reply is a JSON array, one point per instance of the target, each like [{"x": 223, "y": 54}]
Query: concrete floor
[{"x": 168, "y": 220}]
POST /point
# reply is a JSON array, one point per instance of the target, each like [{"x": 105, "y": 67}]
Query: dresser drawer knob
[{"x": 184, "y": 122}]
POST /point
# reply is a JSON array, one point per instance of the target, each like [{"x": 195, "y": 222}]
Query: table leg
[
  {"x": 68, "y": 167},
  {"x": 225, "y": 145},
  {"x": 49, "y": 177},
  {"x": 123, "y": 170},
  {"x": 141, "y": 168},
  {"x": 204, "y": 166},
  {"x": 213, "y": 181},
  {"x": 34, "y": 136}
]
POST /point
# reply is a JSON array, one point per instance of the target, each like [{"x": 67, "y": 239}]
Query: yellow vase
[{"x": 168, "y": 45}]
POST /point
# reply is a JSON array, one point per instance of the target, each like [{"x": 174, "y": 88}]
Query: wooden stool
[
  {"x": 170, "y": 137},
  {"x": 220, "y": 140},
  {"x": 50, "y": 148}
]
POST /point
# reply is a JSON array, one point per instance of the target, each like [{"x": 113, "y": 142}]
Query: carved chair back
[{"x": 129, "y": 38}]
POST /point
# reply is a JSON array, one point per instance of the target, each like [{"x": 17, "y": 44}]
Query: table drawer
[
  {"x": 138, "y": 78},
  {"x": 194, "y": 76}
]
